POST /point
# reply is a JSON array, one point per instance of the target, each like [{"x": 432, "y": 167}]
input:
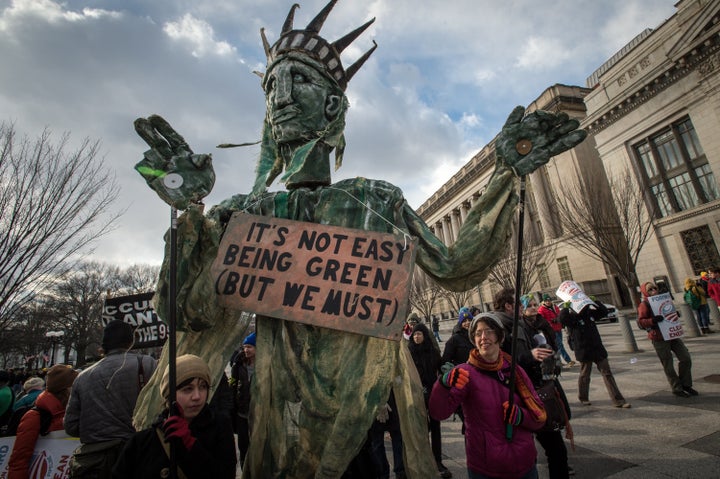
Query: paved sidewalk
[{"x": 661, "y": 436}]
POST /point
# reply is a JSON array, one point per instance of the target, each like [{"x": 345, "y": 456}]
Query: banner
[
  {"x": 570, "y": 291},
  {"x": 137, "y": 310},
  {"x": 662, "y": 304},
  {"x": 339, "y": 278},
  {"x": 50, "y": 459}
]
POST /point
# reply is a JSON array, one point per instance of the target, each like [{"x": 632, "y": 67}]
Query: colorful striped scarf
[{"x": 535, "y": 407}]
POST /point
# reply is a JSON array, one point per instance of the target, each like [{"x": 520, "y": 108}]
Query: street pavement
[{"x": 661, "y": 436}]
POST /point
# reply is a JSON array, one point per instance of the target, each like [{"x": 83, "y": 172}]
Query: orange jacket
[{"x": 29, "y": 431}]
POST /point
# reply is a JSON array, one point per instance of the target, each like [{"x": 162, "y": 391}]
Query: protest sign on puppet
[
  {"x": 137, "y": 310},
  {"x": 662, "y": 304},
  {"x": 339, "y": 278}
]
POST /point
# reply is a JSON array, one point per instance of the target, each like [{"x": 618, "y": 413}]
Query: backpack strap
[{"x": 45, "y": 420}]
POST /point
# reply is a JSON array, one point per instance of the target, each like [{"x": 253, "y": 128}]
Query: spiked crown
[{"x": 309, "y": 42}]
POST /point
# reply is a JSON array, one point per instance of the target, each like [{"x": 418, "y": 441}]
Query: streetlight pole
[{"x": 54, "y": 337}]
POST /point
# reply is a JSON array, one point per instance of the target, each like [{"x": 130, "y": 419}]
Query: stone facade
[{"x": 653, "y": 110}]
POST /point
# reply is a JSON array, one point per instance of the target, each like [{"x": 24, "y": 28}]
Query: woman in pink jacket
[{"x": 481, "y": 387}]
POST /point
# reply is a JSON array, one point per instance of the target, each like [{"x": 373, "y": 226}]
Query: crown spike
[
  {"x": 343, "y": 42},
  {"x": 316, "y": 24},
  {"x": 288, "y": 25},
  {"x": 266, "y": 44},
  {"x": 352, "y": 69}
]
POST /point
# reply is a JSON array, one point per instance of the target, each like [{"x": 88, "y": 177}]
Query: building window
[
  {"x": 564, "y": 269},
  {"x": 700, "y": 248},
  {"x": 675, "y": 168},
  {"x": 543, "y": 277}
]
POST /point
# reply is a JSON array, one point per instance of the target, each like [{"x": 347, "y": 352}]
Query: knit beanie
[
  {"x": 60, "y": 377},
  {"x": 34, "y": 383},
  {"x": 116, "y": 335},
  {"x": 187, "y": 366},
  {"x": 250, "y": 340},
  {"x": 490, "y": 318},
  {"x": 463, "y": 314},
  {"x": 546, "y": 297},
  {"x": 525, "y": 299}
]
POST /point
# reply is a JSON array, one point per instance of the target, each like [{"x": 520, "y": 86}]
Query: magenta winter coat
[{"x": 488, "y": 451}]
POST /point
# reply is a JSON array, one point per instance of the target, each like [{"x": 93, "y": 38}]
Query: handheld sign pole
[
  {"x": 516, "y": 314},
  {"x": 172, "y": 351}
]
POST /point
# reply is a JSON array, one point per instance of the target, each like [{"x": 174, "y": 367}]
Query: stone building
[{"x": 652, "y": 112}]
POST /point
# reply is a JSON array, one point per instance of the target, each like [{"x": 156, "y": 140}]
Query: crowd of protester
[{"x": 468, "y": 377}]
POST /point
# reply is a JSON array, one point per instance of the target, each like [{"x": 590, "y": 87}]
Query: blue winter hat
[
  {"x": 249, "y": 340},
  {"x": 464, "y": 313}
]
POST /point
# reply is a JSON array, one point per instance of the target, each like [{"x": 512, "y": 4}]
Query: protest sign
[
  {"x": 137, "y": 310},
  {"x": 570, "y": 291},
  {"x": 662, "y": 304},
  {"x": 339, "y": 278},
  {"x": 50, "y": 459}
]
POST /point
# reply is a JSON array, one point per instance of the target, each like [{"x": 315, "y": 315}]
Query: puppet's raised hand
[
  {"x": 177, "y": 175},
  {"x": 528, "y": 142}
]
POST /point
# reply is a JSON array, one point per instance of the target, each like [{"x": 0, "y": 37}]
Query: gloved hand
[
  {"x": 456, "y": 377},
  {"x": 512, "y": 415},
  {"x": 176, "y": 427},
  {"x": 446, "y": 367},
  {"x": 658, "y": 318},
  {"x": 383, "y": 413}
]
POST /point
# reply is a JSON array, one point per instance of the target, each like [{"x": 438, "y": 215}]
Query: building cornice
[{"x": 704, "y": 59}]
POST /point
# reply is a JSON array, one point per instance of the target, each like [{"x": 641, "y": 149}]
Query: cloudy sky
[{"x": 438, "y": 88}]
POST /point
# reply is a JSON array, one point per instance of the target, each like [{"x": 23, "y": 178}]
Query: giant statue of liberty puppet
[{"x": 316, "y": 391}]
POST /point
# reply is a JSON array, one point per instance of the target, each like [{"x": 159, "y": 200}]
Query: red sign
[{"x": 340, "y": 278}]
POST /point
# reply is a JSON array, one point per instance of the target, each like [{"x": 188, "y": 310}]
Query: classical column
[
  {"x": 455, "y": 222},
  {"x": 464, "y": 208},
  {"x": 543, "y": 200}
]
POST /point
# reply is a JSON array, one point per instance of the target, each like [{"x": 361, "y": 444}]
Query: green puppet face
[
  {"x": 304, "y": 122},
  {"x": 300, "y": 102}
]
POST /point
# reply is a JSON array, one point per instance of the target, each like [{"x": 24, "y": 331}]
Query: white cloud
[
  {"x": 437, "y": 89},
  {"x": 541, "y": 53},
  {"x": 198, "y": 35},
  {"x": 49, "y": 11}
]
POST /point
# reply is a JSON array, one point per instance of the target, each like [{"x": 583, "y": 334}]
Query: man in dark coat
[{"x": 584, "y": 338}]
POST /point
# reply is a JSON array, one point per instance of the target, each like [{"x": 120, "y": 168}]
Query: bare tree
[
  {"x": 53, "y": 205},
  {"x": 137, "y": 278},
  {"x": 77, "y": 300},
  {"x": 613, "y": 231},
  {"x": 456, "y": 299},
  {"x": 424, "y": 294},
  {"x": 533, "y": 258}
]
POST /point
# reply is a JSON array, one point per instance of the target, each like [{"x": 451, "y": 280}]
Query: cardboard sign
[
  {"x": 339, "y": 278},
  {"x": 137, "y": 310},
  {"x": 662, "y": 304},
  {"x": 50, "y": 458},
  {"x": 570, "y": 291}
]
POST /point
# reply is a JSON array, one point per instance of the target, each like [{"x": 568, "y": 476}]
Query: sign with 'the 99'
[
  {"x": 339, "y": 278},
  {"x": 137, "y": 310}
]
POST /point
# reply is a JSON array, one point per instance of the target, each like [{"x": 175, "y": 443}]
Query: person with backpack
[
  {"x": 680, "y": 381},
  {"x": 696, "y": 298},
  {"x": 32, "y": 389},
  {"x": 46, "y": 416},
  {"x": 102, "y": 402}
]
